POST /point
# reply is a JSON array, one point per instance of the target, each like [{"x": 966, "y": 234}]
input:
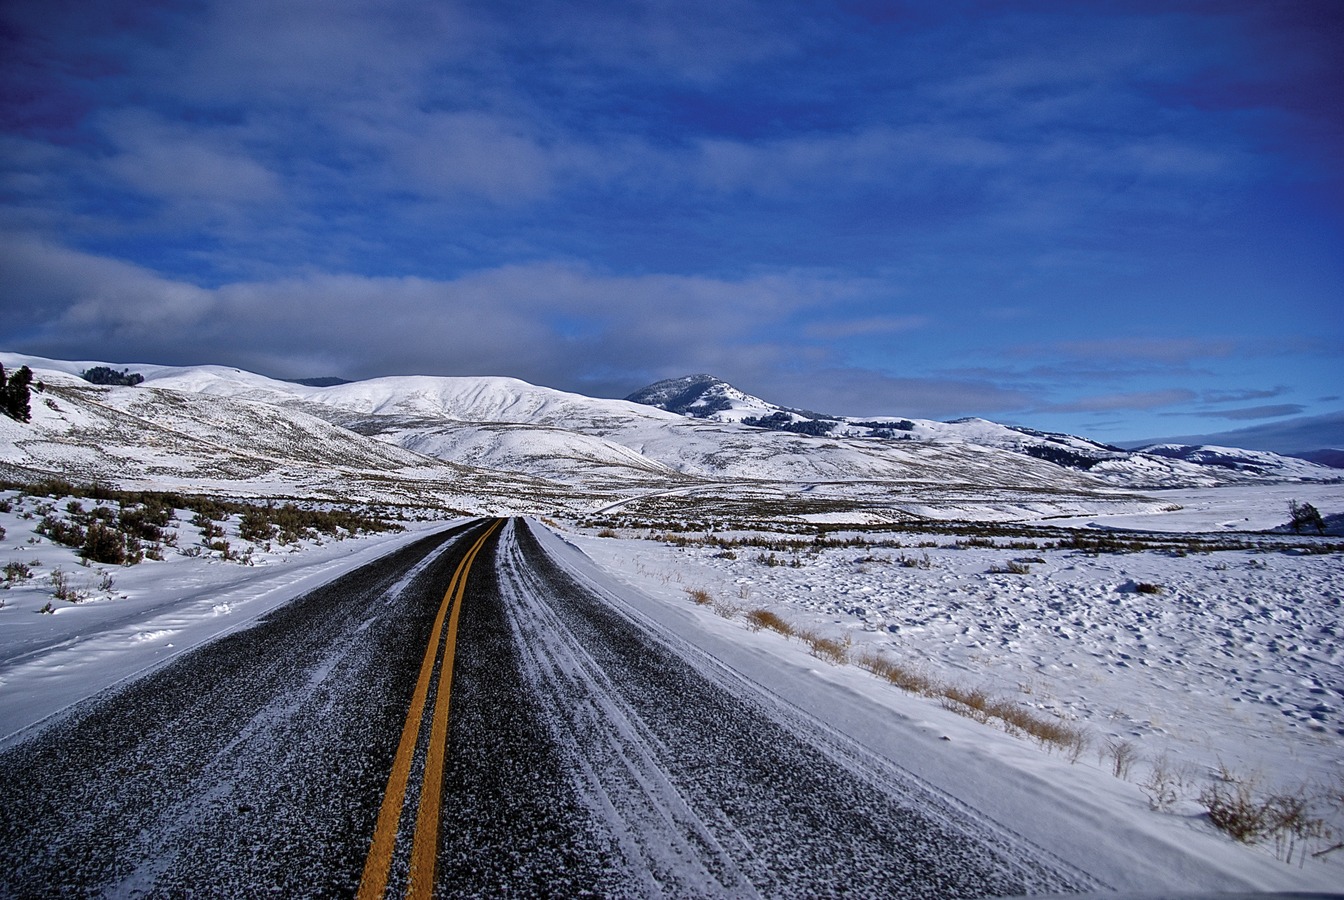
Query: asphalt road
[{"x": 585, "y": 754}]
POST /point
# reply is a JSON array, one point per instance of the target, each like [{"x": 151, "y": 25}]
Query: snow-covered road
[
  {"x": 589, "y": 750},
  {"x": 252, "y": 764},
  {"x": 702, "y": 784}
]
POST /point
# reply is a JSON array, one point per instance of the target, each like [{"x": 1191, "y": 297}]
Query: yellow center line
[
  {"x": 378, "y": 863},
  {"x": 425, "y": 848}
]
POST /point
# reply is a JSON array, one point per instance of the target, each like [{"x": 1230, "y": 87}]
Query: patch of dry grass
[
  {"x": 974, "y": 703},
  {"x": 764, "y": 618},
  {"x": 833, "y": 650},
  {"x": 1235, "y": 808},
  {"x": 700, "y": 596}
]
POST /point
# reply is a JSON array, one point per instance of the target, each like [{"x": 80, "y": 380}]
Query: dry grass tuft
[
  {"x": 700, "y": 596},
  {"x": 764, "y": 618},
  {"x": 833, "y": 650},
  {"x": 1123, "y": 754},
  {"x": 975, "y": 703},
  {"x": 1235, "y": 809},
  {"x": 910, "y": 680}
]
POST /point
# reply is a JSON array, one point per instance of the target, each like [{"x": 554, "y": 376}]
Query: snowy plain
[{"x": 1234, "y": 668}]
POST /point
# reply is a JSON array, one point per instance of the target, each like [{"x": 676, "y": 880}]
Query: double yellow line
[{"x": 424, "y": 846}]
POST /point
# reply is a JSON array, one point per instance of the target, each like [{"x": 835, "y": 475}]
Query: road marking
[{"x": 378, "y": 863}]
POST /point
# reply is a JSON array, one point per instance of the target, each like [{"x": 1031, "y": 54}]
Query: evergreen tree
[
  {"x": 15, "y": 397},
  {"x": 14, "y": 393}
]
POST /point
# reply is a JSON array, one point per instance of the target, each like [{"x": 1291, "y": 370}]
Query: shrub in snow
[
  {"x": 1304, "y": 515},
  {"x": 107, "y": 376}
]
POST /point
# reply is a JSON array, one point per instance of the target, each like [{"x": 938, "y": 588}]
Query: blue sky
[{"x": 1119, "y": 219}]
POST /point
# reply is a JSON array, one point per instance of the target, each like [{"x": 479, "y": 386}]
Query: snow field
[
  {"x": 1179, "y": 672},
  {"x": 120, "y": 620}
]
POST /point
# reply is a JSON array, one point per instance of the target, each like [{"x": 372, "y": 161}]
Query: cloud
[
  {"x": 1243, "y": 396},
  {"x": 863, "y": 392},
  {"x": 1260, "y": 412},
  {"x": 473, "y": 153},
  {"x": 1160, "y": 350},
  {"x": 555, "y": 324},
  {"x": 69, "y": 298},
  {"x": 1135, "y": 400},
  {"x": 864, "y": 327},
  {"x": 186, "y": 165},
  {"x": 496, "y": 321}
]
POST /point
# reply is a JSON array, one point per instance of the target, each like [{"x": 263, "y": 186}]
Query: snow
[
  {"x": 151, "y": 612},
  {"x": 1171, "y": 672},
  {"x": 1235, "y": 666}
]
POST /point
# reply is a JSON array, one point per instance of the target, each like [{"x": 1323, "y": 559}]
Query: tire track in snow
[
  {"x": 250, "y": 765},
  {"x": 709, "y": 788}
]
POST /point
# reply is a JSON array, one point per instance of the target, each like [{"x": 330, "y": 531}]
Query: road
[{"x": 466, "y": 717}]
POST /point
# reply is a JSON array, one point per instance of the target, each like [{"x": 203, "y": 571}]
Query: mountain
[
  {"x": 149, "y": 437},
  {"x": 1257, "y": 462},
  {"x": 701, "y": 396},
  {"x": 704, "y": 396},
  {"x": 1333, "y": 457},
  {"x": 1301, "y": 436},
  {"x": 489, "y": 444}
]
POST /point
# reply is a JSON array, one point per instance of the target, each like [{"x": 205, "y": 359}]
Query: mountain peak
[{"x": 693, "y": 395}]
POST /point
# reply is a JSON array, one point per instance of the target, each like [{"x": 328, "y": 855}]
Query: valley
[{"x": 1155, "y": 611}]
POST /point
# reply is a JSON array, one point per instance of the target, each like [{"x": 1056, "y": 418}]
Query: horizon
[
  {"x": 1113, "y": 222},
  {"x": 1288, "y": 437}
]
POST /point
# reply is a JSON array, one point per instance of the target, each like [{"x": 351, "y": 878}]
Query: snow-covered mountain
[
  {"x": 496, "y": 443},
  {"x": 704, "y": 397},
  {"x": 149, "y": 436},
  {"x": 1255, "y": 462},
  {"x": 1159, "y": 466}
]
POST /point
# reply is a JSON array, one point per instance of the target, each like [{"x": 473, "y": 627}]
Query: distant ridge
[
  {"x": 501, "y": 443},
  {"x": 707, "y": 397},
  {"x": 1333, "y": 458},
  {"x": 1301, "y": 437}
]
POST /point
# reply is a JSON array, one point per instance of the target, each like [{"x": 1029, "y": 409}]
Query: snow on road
[
  {"x": 1235, "y": 666},
  {"x": 150, "y": 613}
]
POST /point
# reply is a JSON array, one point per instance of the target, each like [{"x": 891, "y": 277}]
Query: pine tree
[{"x": 15, "y": 397}]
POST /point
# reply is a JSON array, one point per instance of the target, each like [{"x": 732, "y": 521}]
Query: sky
[{"x": 1116, "y": 219}]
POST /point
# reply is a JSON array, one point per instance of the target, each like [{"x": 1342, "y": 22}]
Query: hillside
[
  {"x": 1160, "y": 466},
  {"x": 152, "y": 437},
  {"x": 500, "y": 443}
]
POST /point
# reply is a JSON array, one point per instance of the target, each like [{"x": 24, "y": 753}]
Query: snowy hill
[
  {"x": 151, "y": 437},
  {"x": 702, "y": 396},
  {"x": 1160, "y": 466},
  {"x": 1256, "y": 462},
  {"x": 502, "y": 443}
]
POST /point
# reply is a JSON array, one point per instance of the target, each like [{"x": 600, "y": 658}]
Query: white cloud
[
  {"x": 1131, "y": 400},
  {"x": 471, "y": 153},
  {"x": 183, "y": 164}
]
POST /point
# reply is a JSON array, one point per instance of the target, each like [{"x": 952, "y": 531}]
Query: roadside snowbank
[
  {"x": 1233, "y": 665},
  {"x": 135, "y": 618}
]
